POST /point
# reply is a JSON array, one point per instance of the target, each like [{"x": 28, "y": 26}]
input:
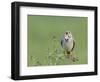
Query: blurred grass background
[{"x": 41, "y": 29}]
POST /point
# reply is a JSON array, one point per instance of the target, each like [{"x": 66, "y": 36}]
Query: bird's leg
[
  {"x": 68, "y": 54},
  {"x": 64, "y": 52}
]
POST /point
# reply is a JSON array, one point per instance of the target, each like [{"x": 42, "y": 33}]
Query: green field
[{"x": 44, "y": 36}]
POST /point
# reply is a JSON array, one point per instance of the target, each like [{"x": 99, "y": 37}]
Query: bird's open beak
[{"x": 66, "y": 40}]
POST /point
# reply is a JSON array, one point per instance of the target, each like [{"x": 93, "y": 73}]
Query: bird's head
[{"x": 68, "y": 36}]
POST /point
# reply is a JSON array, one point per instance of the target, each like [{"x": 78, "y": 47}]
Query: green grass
[{"x": 44, "y": 36}]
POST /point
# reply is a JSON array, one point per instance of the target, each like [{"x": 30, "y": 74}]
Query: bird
[{"x": 68, "y": 44}]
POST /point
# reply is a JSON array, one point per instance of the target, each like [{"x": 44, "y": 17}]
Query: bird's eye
[{"x": 66, "y": 32}]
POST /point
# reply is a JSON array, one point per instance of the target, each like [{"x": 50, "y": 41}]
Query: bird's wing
[
  {"x": 62, "y": 43},
  {"x": 73, "y": 45}
]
